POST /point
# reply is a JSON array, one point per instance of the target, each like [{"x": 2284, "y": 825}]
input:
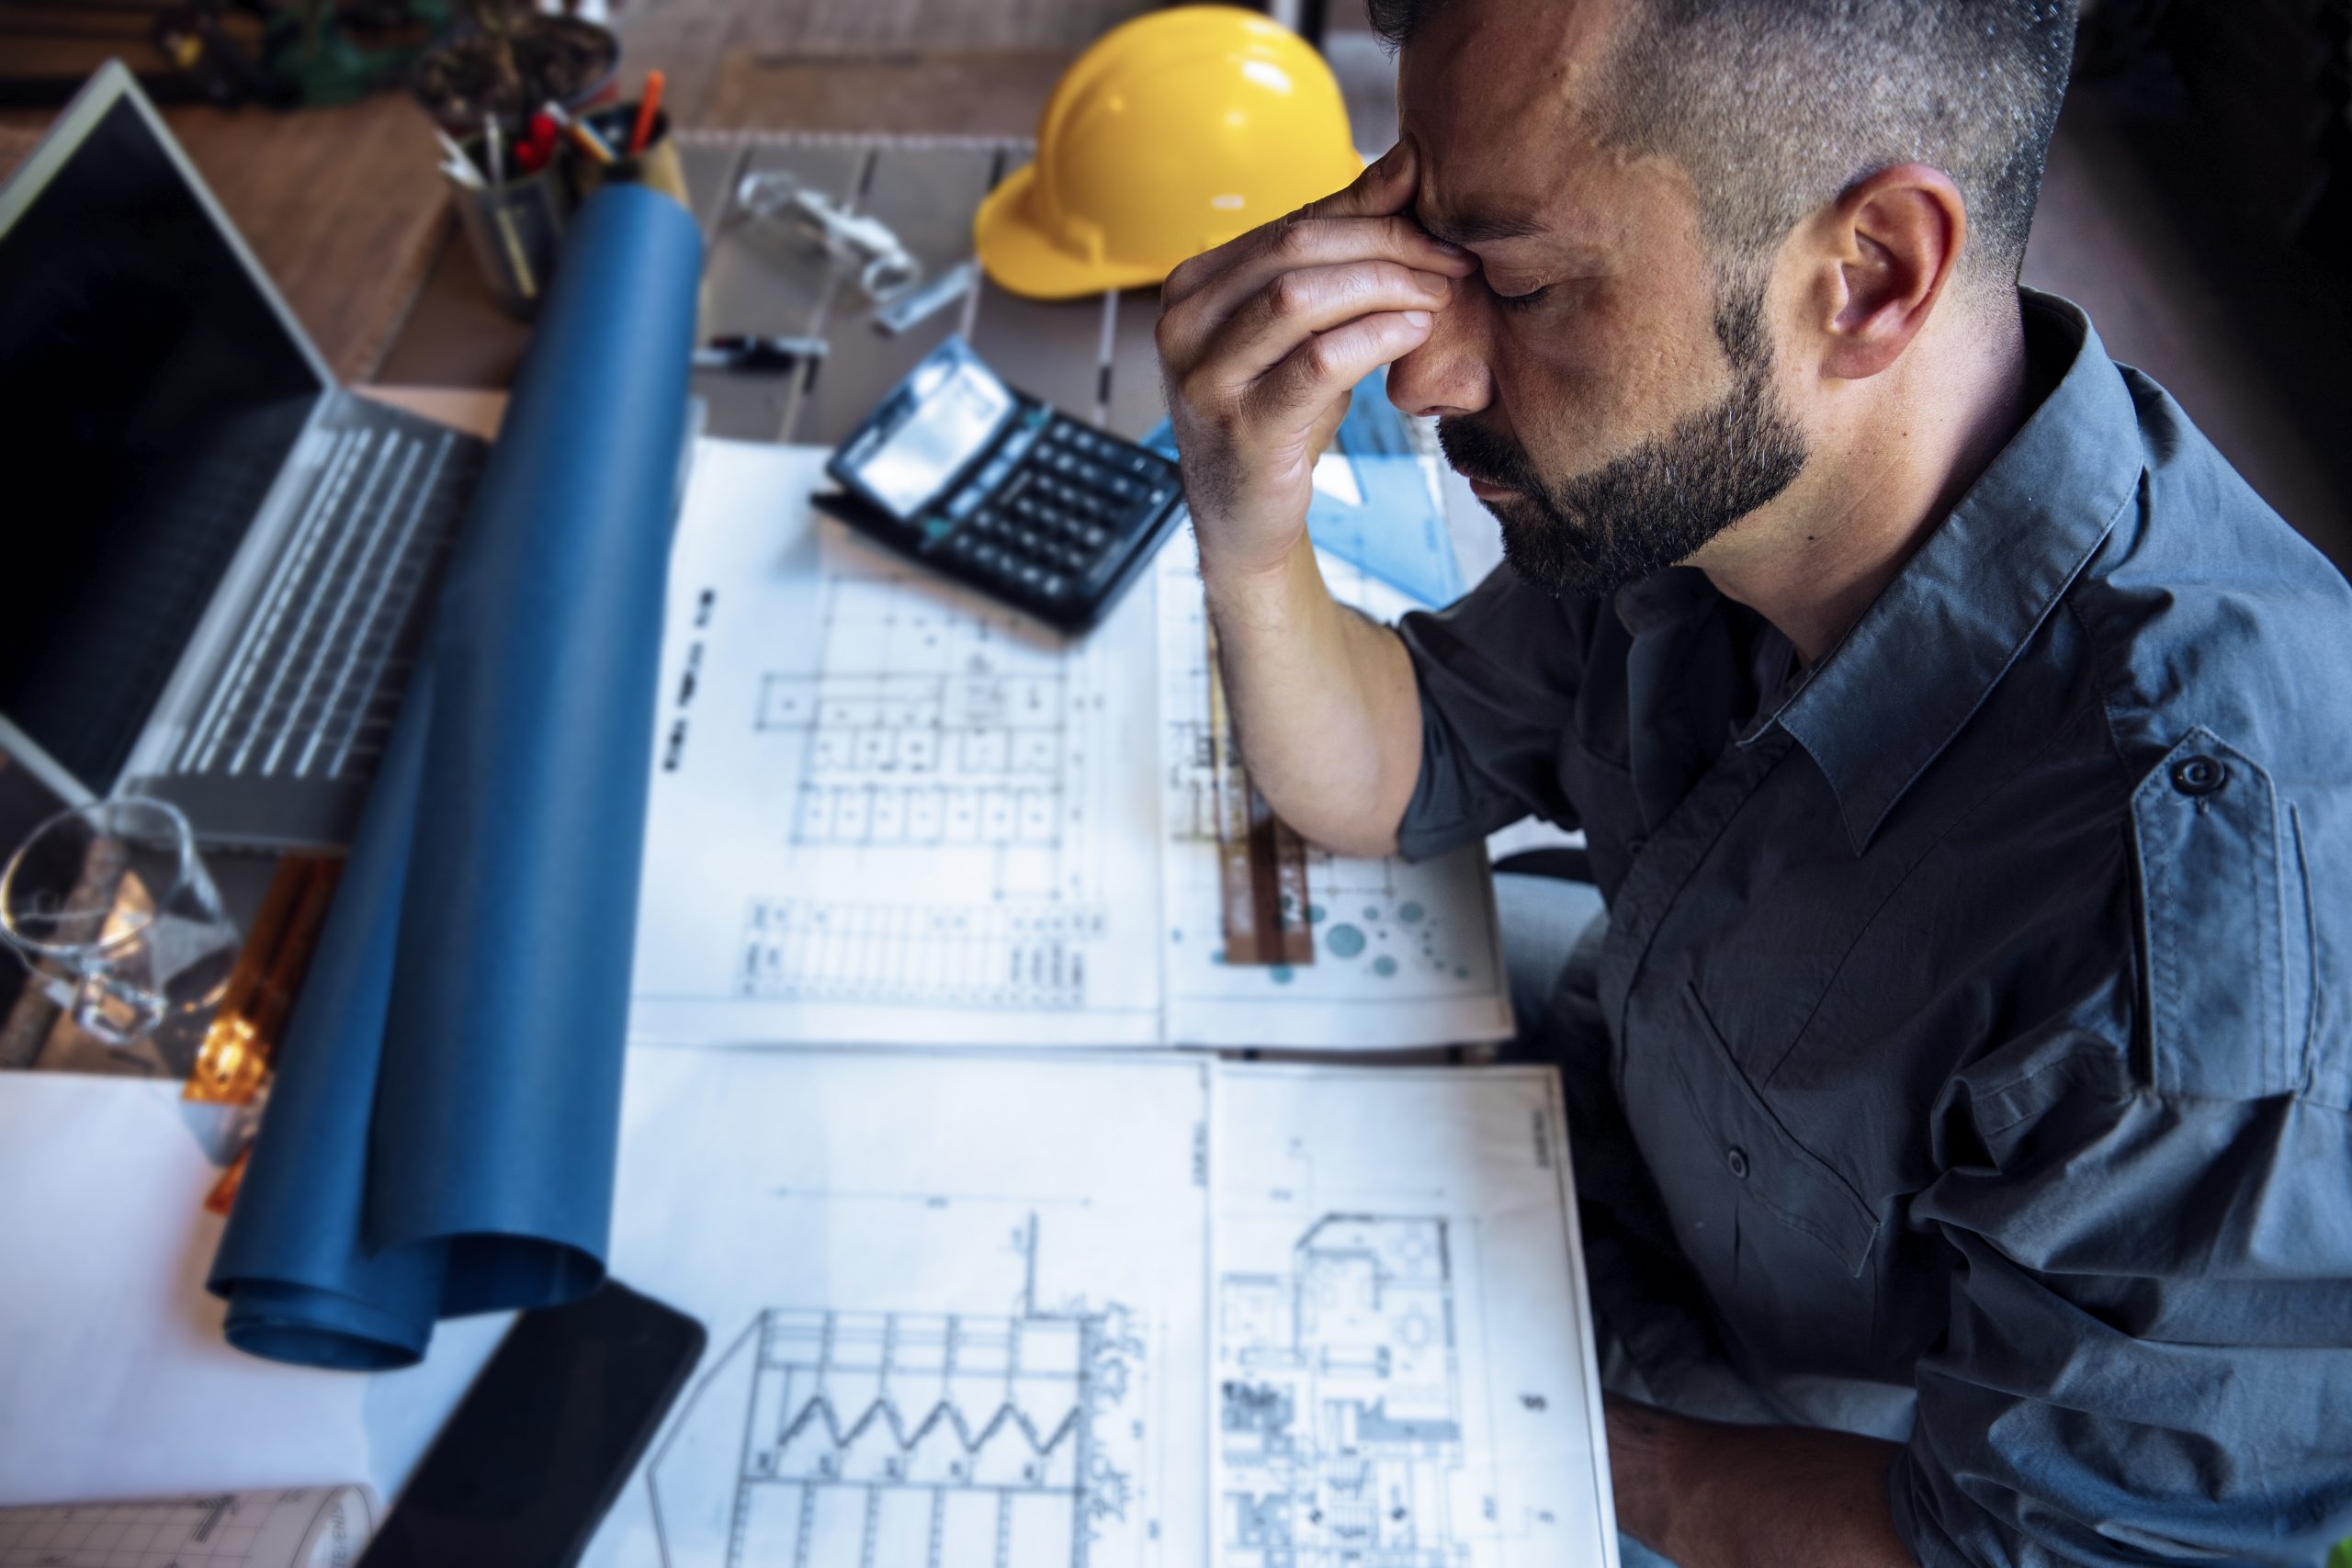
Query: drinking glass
[{"x": 111, "y": 908}]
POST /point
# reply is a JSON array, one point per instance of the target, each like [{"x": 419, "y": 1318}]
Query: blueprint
[
  {"x": 1403, "y": 1368},
  {"x": 886, "y": 809},
  {"x": 1405, "y": 955},
  {"x": 864, "y": 1437},
  {"x": 954, "y": 1302},
  {"x": 1107, "y": 1310}
]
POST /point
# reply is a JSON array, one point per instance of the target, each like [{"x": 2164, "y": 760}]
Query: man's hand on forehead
[
  {"x": 1360, "y": 247},
  {"x": 1262, "y": 338}
]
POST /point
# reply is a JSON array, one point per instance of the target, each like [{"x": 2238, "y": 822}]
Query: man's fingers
[
  {"x": 1191, "y": 319},
  {"x": 1377, "y": 202},
  {"x": 1328, "y": 364},
  {"x": 1296, "y": 306}
]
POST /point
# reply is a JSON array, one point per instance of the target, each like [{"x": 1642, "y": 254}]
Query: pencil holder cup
[
  {"x": 656, "y": 167},
  {"x": 516, "y": 231}
]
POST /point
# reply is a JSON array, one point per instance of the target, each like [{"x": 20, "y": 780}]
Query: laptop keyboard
[{"x": 314, "y": 681}]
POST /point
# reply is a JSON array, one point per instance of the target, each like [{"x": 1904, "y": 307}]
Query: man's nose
[{"x": 1449, "y": 374}]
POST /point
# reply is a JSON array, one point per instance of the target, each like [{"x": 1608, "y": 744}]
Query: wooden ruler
[{"x": 1261, "y": 863}]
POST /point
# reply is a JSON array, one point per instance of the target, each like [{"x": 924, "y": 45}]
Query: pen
[
  {"x": 493, "y": 149},
  {"x": 647, "y": 107},
  {"x": 747, "y": 352}
]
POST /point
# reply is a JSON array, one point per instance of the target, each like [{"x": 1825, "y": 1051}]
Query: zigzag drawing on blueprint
[{"x": 881, "y": 1439}]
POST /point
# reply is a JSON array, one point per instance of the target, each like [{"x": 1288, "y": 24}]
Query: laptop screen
[{"x": 153, "y": 393}]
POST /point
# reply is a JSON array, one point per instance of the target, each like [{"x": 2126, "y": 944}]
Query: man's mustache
[{"x": 1480, "y": 452}]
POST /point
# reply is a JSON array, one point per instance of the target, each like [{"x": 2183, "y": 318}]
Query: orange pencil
[
  {"x": 587, "y": 141},
  {"x": 648, "y": 106}
]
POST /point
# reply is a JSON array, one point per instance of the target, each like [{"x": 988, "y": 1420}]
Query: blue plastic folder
[{"x": 441, "y": 1137}]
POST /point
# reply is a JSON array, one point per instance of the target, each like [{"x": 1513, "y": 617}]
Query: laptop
[{"x": 215, "y": 563}]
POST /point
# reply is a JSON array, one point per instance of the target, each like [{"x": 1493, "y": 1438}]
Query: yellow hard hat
[{"x": 1174, "y": 133}]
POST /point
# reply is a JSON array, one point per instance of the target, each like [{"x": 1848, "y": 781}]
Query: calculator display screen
[{"x": 951, "y": 421}]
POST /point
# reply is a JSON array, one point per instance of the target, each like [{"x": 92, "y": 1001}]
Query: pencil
[
  {"x": 587, "y": 141},
  {"x": 648, "y": 106}
]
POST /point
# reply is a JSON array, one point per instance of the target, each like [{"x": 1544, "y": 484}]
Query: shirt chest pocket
[{"x": 1781, "y": 1241}]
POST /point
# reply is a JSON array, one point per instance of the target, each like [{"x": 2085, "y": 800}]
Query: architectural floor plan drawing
[
  {"x": 1339, "y": 1413},
  {"x": 938, "y": 728},
  {"x": 1403, "y": 1364},
  {"x": 967, "y": 1336},
  {"x": 995, "y": 1309},
  {"x": 923, "y": 1440},
  {"x": 886, "y": 809}
]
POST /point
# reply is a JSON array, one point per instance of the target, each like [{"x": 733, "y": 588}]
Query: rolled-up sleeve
[
  {"x": 2149, "y": 1357},
  {"x": 1498, "y": 672}
]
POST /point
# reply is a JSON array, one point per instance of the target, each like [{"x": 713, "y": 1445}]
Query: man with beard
[{"x": 1961, "y": 1071}]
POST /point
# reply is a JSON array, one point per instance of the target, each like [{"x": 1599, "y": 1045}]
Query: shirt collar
[{"x": 1893, "y": 694}]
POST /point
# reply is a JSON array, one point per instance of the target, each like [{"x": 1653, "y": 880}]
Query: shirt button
[
  {"x": 1736, "y": 1157},
  {"x": 2199, "y": 775}
]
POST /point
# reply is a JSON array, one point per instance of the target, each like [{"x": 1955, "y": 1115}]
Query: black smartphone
[{"x": 546, "y": 1437}]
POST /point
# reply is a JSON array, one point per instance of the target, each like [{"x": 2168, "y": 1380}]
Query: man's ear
[{"x": 1880, "y": 258}]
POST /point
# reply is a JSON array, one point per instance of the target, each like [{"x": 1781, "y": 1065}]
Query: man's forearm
[
  {"x": 1711, "y": 1495},
  {"x": 1323, "y": 702}
]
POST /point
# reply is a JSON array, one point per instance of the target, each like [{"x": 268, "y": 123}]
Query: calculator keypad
[{"x": 1067, "y": 516}]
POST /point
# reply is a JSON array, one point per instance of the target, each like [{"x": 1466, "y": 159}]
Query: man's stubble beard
[{"x": 1591, "y": 533}]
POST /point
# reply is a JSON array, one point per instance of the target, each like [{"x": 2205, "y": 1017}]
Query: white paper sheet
[
  {"x": 954, "y": 1305},
  {"x": 317, "y": 1527},
  {"x": 1130, "y": 1310},
  {"x": 975, "y": 1307},
  {"x": 115, "y": 1381},
  {"x": 885, "y": 809},
  {"x": 1404, "y": 1364}
]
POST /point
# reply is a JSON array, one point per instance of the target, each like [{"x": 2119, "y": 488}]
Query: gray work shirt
[{"x": 1978, "y": 1001}]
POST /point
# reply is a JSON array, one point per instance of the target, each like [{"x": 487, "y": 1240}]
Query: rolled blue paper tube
[
  {"x": 441, "y": 1139},
  {"x": 302, "y": 1286}
]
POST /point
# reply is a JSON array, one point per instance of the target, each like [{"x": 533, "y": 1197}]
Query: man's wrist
[{"x": 1259, "y": 592}]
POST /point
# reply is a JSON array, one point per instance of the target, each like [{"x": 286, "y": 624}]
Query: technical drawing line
[
  {"x": 820, "y": 1408},
  {"x": 929, "y": 1200},
  {"x": 827, "y": 1438}
]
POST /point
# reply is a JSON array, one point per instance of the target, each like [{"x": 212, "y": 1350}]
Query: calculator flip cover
[{"x": 992, "y": 487}]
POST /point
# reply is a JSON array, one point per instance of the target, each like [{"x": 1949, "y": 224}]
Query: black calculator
[{"x": 997, "y": 490}]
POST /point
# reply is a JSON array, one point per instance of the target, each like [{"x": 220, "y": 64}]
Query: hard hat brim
[{"x": 1018, "y": 253}]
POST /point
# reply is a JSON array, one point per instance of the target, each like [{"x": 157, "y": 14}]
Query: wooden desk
[{"x": 347, "y": 214}]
